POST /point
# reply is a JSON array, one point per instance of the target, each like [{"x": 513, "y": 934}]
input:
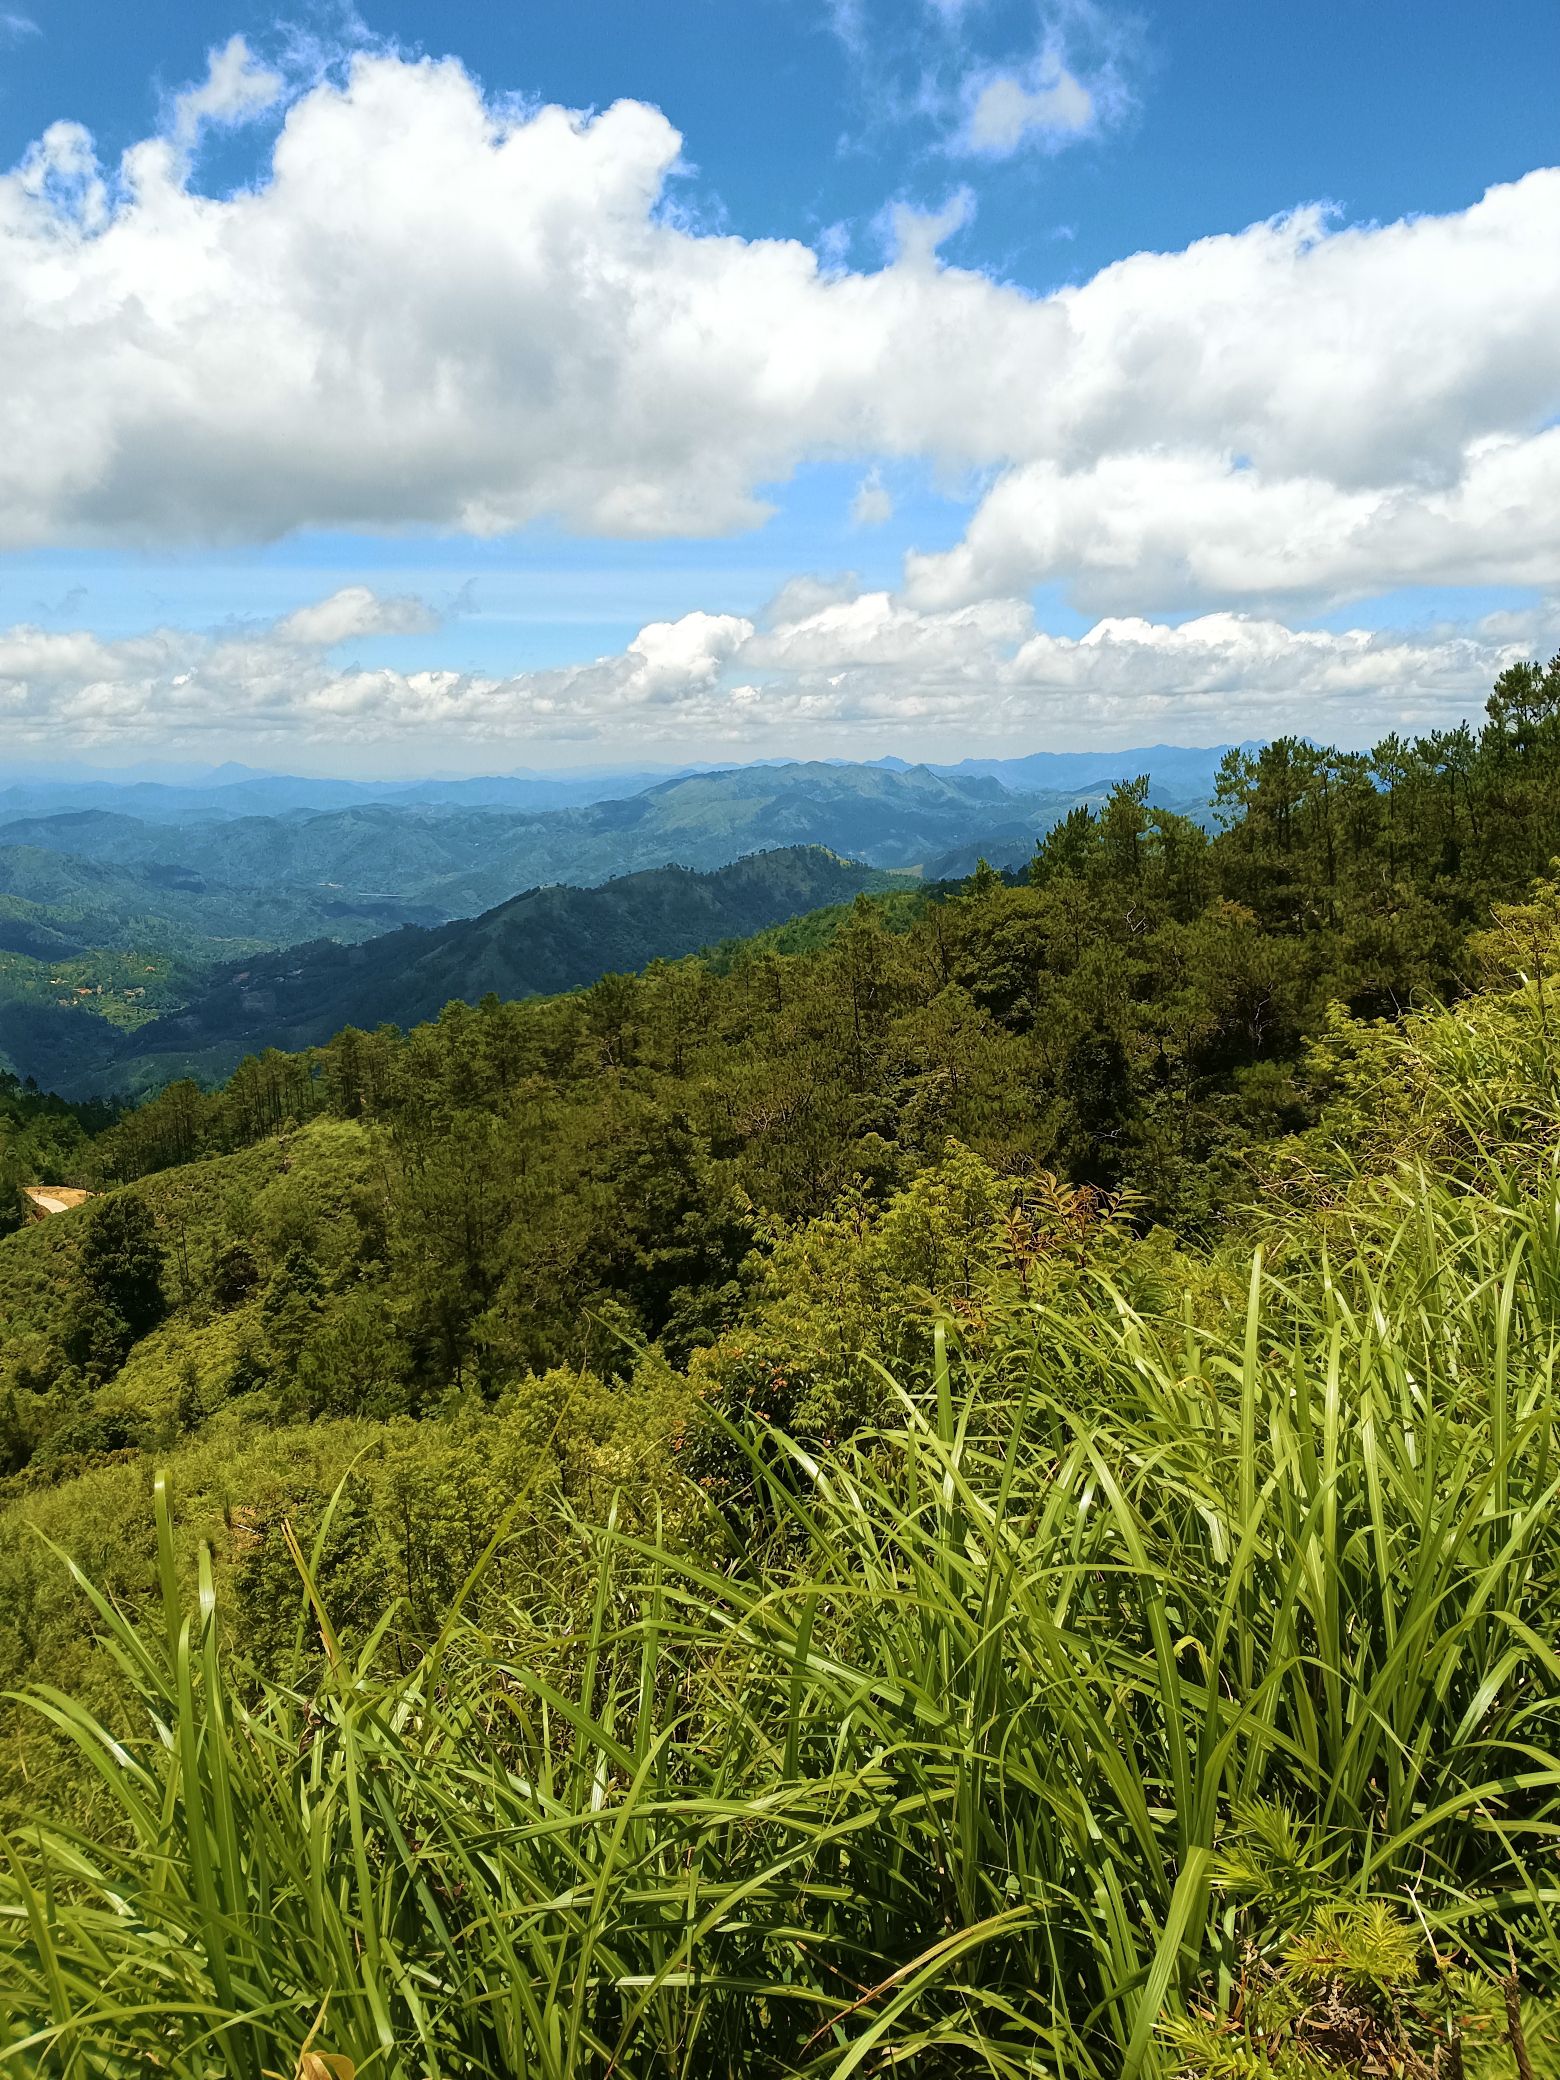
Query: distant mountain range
[
  {"x": 173, "y": 794},
  {"x": 228, "y": 792},
  {"x": 129, "y": 915},
  {"x": 452, "y": 859}
]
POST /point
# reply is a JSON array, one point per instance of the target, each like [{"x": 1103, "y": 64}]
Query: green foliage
[
  {"x": 120, "y": 1260},
  {"x": 234, "y": 1275},
  {"x": 190, "y": 1408}
]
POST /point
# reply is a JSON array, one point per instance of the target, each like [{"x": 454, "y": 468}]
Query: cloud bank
[
  {"x": 825, "y": 670},
  {"x": 442, "y": 310}
]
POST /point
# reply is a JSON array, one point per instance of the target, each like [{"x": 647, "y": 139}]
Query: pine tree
[
  {"x": 234, "y": 1276},
  {"x": 292, "y": 1303},
  {"x": 118, "y": 1293},
  {"x": 189, "y": 1410},
  {"x": 15, "y": 1438},
  {"x": 121, "y": 1261}
]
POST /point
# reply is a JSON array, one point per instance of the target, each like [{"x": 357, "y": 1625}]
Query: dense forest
[{"x": 966, "y": 1484}]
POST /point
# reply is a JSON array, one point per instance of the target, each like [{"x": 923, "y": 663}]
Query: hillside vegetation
[{"x": 973, "y": 1498}]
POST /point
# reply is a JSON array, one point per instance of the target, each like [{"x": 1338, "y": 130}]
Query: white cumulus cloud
[
  {"x": 437, "y": 309},
  {"x": 444, "y": 312},
  {"x": 873, "y": 504},
  {"x": 353, "y": 612},
  {"x": 1169, "y": 527},
  {"x": 1294, "y": 411}
]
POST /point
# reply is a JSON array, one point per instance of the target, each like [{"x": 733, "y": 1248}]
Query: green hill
[{"x": 545, "y": 940}]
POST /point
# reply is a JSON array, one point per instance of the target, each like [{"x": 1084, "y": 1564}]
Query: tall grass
[{"x": 972, "y": 1748}]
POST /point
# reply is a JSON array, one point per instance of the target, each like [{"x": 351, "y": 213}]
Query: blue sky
[{"x": 969, "y": 485}]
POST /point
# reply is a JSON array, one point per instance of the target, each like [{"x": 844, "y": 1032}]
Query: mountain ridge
[
  {"x": 223, "y": 793},
  {"x": 539, "y": 942}
]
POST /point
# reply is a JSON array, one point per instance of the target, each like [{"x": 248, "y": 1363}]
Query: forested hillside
[
  {"x": 547, "y": 939},
  {"x": 968, "y": 1486},
  {"x": 1132, "y": 1016},
  {"x": 55, "y": 904}
]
